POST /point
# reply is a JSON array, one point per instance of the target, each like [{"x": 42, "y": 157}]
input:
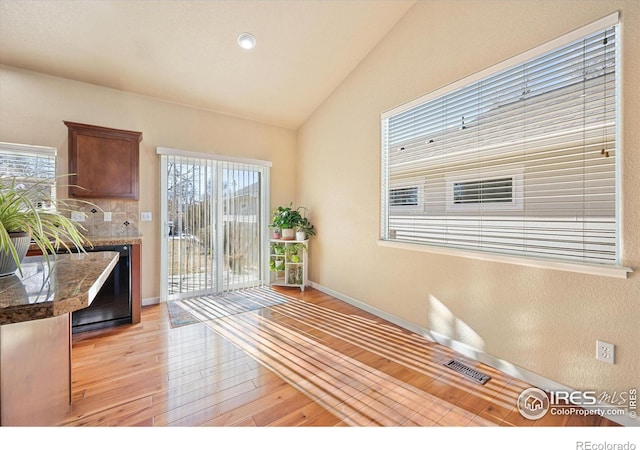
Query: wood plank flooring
[{"x": 309, "y": 361}]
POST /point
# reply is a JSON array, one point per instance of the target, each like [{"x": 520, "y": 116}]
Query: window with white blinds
[
  {"x": 518, "y": 160},
  {"x": 33, "y": 168}
]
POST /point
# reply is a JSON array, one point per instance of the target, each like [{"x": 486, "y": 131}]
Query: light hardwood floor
[{"x": 310, "y": 361}]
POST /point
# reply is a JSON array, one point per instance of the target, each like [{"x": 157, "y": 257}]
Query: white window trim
[
  {"x": 201, "y": 155},
  {"x": 28, "y": 149},
  {"x": 516, "y": 204},
  {"x": 566, "y": 266}
]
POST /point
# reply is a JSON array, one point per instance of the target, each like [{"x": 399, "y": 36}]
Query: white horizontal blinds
[
  {"x": 242, "y": 230},
  {"x": 33, "y": 168},
  {"x": 521, "y": 162},
  {"x": 191, "y": 218}
]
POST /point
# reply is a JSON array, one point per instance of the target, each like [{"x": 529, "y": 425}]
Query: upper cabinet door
[{"x": 103, "y": 162}]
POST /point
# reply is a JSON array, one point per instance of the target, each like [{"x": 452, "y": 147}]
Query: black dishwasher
[{"x": 112, "y": 304}]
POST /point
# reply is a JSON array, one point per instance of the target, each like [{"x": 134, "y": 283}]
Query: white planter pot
[
  {"x": 301, "y": 235},
  {"x": 288, "y": 233}
]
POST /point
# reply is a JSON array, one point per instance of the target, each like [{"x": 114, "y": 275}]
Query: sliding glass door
[{"x": 214, "y": 215}]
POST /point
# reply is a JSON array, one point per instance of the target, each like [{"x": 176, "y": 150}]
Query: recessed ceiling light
[{"x": 246, "y": 41}]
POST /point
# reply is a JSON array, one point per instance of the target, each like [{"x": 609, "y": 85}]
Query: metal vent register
[{"x": 472, "y": 374}]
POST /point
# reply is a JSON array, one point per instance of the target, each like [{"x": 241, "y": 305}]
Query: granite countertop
[{"x": 70, "y": 282}]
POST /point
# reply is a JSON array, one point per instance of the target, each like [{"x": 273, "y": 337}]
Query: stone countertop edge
[
  {"x": 97, "y": 241},
  {"x": 114, "y": 240},
  {"x": 80, "y": 299}
]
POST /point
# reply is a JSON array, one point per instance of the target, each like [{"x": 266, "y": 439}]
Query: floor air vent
[{"x": 468, "y": 372}]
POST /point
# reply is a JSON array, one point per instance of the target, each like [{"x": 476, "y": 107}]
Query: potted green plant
[
  {"x": 276, "y": 265},
  {"x": 294, "y": 252},
  {"x": 304, "y": 229},
  {"x": 24, "y": 220},
  {"x": 285, "y": 218}
]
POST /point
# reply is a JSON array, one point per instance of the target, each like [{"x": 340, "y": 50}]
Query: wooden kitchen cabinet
[{"x": 103, "y": 162}]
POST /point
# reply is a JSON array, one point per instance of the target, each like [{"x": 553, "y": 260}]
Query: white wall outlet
[
  {"x": 77, "y": 216},
  {"x": 146, "y": 216},
  {"x": 605, "y": 352},
  {"x": 107, "y": 216}
]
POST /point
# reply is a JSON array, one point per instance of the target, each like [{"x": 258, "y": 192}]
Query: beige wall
[
  {"x": 33, "y": 106},
  {"x": 541, "y": 320}
]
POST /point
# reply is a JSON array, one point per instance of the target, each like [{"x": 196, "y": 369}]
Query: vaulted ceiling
[{"x": 185, "y": 51}]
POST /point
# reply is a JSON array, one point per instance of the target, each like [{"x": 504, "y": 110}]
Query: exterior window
[
  {"x": 520, "y": 159},
  {"x": 483, "y": 191},
  {"x": 407, "y": 197},
  {"x": 33, "y": 168},
  {"x": 404, "y": 196}
]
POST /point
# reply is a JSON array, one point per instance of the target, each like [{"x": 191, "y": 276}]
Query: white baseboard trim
[
  {"x": 150, "y": 301},
  {"x": 479, "y": 355}
]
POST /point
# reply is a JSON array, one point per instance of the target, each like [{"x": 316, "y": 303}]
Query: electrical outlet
[
  {"x": 605, "y": 352},
  {"x": 107, "y": 216},
  {"x": 146, "y": 216},
  {"x": 77, "y": 216}
]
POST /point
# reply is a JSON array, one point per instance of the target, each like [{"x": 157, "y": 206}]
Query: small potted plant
[
  {"x": 23, "y": 220},
  {"x": 304, "y": 229},
  {"x": 276, "y": 265},
  {"x": 277, "y": 249}
]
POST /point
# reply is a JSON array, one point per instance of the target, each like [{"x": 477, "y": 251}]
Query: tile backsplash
[{"x": 125, "y": 216}]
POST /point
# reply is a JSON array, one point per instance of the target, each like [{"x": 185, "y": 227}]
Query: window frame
[{"x": 614, "y": 270}]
